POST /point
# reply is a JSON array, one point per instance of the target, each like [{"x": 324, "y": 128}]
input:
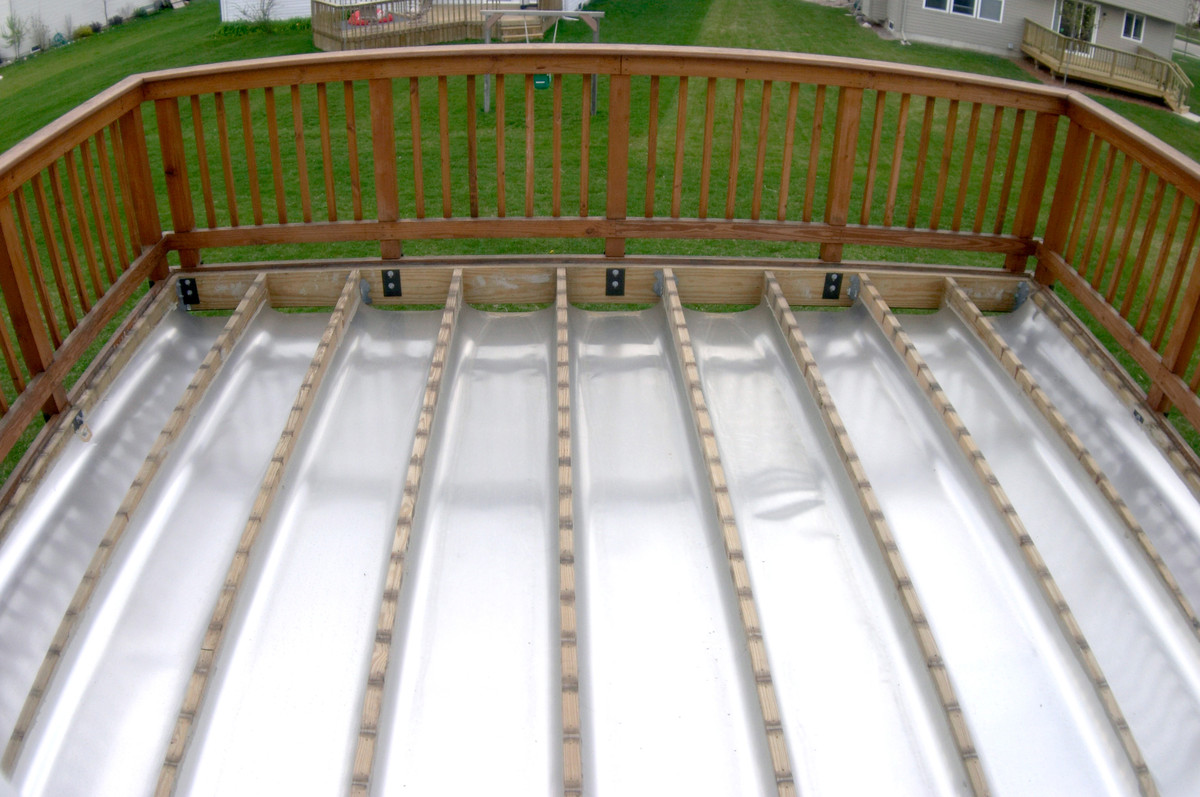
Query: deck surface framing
[
  {"x": 253, "y": 300},
  {"x": 193, "y": 699},
  {"x": 892, "y": 330},
  {"x": 935, "y": 665},
  {"x": 756, "y": 646},
  {"x": 362, "y": 768}
]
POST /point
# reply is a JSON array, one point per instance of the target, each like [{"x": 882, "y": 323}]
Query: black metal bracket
[
  {"x": 391, "y": 282},
  {"x": 833, "y": 286},
  {"x": 188, "y": 292},
  {"x": 614, "y": 282}
]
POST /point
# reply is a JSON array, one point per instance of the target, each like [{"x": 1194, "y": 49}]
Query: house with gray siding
[{"x": 996, "y": 26}]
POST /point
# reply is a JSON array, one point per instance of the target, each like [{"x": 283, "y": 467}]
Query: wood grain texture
[
  {"x": 892, "y": 330},
  {"x": 365, "y": 747},
  {"x": 214, "y": 635},
  {"x": 940, "y": 678},
  {"x": 159, "y": 452}
]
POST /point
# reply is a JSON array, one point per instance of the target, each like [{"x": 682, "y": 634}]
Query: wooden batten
[
  {"x": 252, "y": 301},
  {"x": 890, "y": 326},
  {"x": 1178, "y": 453},
  {"x": 1012, "y": 365},
  {"x": 368, "y": 731},
  {"x": 568, "y": 639},
  {"x": 193, "y": 699},
  {"x": 881, "y": 530},
  {"x": 100, "y": 375},
  {"x": 747, "y": 608}
]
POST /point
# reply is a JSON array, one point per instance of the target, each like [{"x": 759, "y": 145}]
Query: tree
[{"x": 14, "y": 32}]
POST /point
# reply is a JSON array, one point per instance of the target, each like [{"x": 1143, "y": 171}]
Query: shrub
[
  {"x": 140, "y": 13},
  {"x": 96, "y": 27},
  {"x": 115, "y": 19},
  {"x": 39, "y": 32},
  {"x": 82, "y": 32}
]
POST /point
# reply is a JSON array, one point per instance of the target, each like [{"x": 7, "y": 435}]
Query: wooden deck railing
[
  {"x": 393, "y": 23},
  {"x": 393, "y": 146},
  {"x": 1141, "y": 72}
]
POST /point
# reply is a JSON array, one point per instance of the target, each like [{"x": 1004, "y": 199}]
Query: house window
[
  {"x": 991, "y": 10},
  {"x": 1134, "y": 26}
]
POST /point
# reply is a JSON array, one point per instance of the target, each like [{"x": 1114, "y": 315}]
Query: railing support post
[
  {"x": 383, "y": 141},
  {"x": 1033, "y": 187},
  {"x": 141, "y": 184},
  {"x": 841, "y": 168},
  {"x": 179, "y": 195},
  {"x": 618, "y": 158},
  {"x": 1066, "y": 191},
  {"x": 20, "y": 302}
]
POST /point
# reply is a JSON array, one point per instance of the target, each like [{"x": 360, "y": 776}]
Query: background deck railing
[
  {"x": 393, "y": 23},
  {"x": 1142, "y": 72},
  {"x": 786, "y": 154}
]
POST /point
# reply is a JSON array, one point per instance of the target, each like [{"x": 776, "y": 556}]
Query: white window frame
[
  {"x": 949, "y": 9},
  {"x": 1140, "y": 29}
]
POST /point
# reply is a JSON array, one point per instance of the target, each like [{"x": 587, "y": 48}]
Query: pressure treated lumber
[
  {"x": 251, "y": 303},
  {"x": 738, "y": 571},
  {"x": 890, "y": 326},
  {"x": 884, "y": 538},
  {"x": 568, "y": 639},
  {"x": 210, "y": 648},
  {"x": 368, "y": 732},
  {"x": 1012, "y": 365}
]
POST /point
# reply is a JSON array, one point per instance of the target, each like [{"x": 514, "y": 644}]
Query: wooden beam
[
  {"x": 193, "y": 699},
  {"x": 966, "y": 310},
  {"x": 738, "y": 571},
  {"x": 364, "y": 752},
  {"x": 889, "y": 325},
  {"x": 884, "y": 539},
  {"x": 568, "y": 642},
  {"x": 163, "y": 445}
]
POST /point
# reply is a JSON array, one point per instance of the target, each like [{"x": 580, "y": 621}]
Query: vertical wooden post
[
  {"x": 20, "y": 302},
  {"x": 841, "y": 168},
  {"x": 1033, "y": 187},
  {"x": 1066, "y": 191},
  {"x": 141, "y": 183},
  {"x": 383, "y": 142},
  {"x": 179, "y": 194},
  {"x": 618, "y": 157}
]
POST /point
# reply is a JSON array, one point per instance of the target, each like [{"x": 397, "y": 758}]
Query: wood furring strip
[
  {"x": 731, "y": 537},
  {"x": 247, "y": 309},
  {"x": 881, "y": 530},
  {"x": 890, "y": 326},
  {"x": 364, "y": 752}
]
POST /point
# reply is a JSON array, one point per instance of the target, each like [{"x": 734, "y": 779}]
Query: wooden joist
[
  {"x": 897, "y": 569},
  {"x": 568, "y": 640},
  {"x": 890, "y": 326},
  {"x": 210, "y": 648},
  {"x": 1012, "y": 365},
  {"x": 368, "y": 732},
  {"x": 251, "y": 302},
  {"x": 747, "y": 609}
]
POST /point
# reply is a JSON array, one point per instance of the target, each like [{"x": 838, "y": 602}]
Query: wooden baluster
[
  {"x": 889, "y": 208},
  {"x": 1114, "y": 219},
  {"x": 760, "y": 156},
  {"x": 1066, "y": 190},
  {"x": 1097, "y": 213},
  {"x": 556, "y": 146},
  {"x": 841, "y": 167},
  {"x": 414, "y": 124},
  {"x": 60, "y": 277},
  {"x": 618, "y": 158},
  {"x": 85, "y": 232},
  {"x": 680, "y": 137},
  {"x": 873, "y": 157},
  {"x": 814, "y": 153},
  {"x": 1080, "y": 209},
  {"x": 273, "y": 149},
  {"x": 472, "y": 149},
  {"x": 1131, "y": 226},
  {"x": 652, "y": 147},
  {"x": 179, "y": 194},
  {"x": 501, "y": 188},
  {"x": 444, "y": 139},
  {"x": 968, "y": 161},
  {"x": 789, "y": 145},
  {"x": 68, "y": 240},
  {"x": 735, "y": 146},
  {"x": 1014, "y": 152},
  {"x": 326, "y": 152},
  {"x": 1148, "y": 239},
  {"x": 529, "y": 153},
  {"x": 939, "y": 196},
  {"x": 301, "y": 156},
  {"x": 585, "y": 145},
  {"x": 1164, "y": 253},
  {"x": 143, "y": 198},
  {"x": 122, "y": 177},
  {"x": 1177, "y": 274},
  {"x": 922, "y": 151},
  {"x": 1182, "y": 344},
  {"x": 251, "y": 158},
  {"x": 352, "y": 149},
  {"x": 89, "y": 174},
  {"x": 985, "y": 188},
  {"x": 710, "y": 109},
  {"x": 226, "y": 159},
  {"x": 39, "y": 279},
  {"x": 210, "y": 210},
  {"x": 383, "y": 142},
  {"x": 1033, "y": 188}
]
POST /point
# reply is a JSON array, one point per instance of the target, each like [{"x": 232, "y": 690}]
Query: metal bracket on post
[
  {"x": 391, "y": 282},
  {"x": 1022, "y": 295},
  {"x": 833, "y": 286},
  {"x": 364, "y": 291},
  {"x": 658, "y": 282},
  {"x": 80, "y": 427},
  {"x": 187, "y": 291},
  {"x": 614, "y": 282},
  {"x": 855, "y": 287}
]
